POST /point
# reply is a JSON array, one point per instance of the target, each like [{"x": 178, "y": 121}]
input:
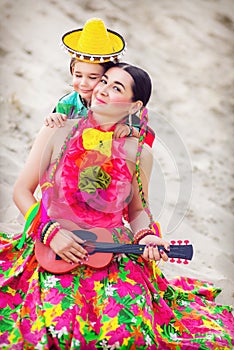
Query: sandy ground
[{"x": 188, "y": 48}]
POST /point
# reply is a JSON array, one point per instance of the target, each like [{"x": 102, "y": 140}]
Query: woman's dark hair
[
  {"x": 142, "y": 82},
  {"x": 105, "y": 65}
]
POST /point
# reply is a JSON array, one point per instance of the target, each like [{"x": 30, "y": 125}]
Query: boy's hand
[
  {"x": 55, "y": 119},
  {"x": 123, "y": 130}
]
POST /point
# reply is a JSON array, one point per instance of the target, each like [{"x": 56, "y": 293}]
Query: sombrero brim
[{"x": 117, "y": 46}]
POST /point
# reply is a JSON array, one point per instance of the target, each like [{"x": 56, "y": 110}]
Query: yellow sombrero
[{"x": 94, "y": 43}]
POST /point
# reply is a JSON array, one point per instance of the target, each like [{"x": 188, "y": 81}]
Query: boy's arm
[{"x": 125, "y": 130}]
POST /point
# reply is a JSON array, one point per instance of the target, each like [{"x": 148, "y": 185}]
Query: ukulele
[{"x": 101, "y": 247}]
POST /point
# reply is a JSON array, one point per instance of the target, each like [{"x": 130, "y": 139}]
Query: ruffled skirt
[{"x": 127, "y": 305}]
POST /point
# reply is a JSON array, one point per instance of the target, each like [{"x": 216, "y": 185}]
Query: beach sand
[{"x": 188, "y": 48}]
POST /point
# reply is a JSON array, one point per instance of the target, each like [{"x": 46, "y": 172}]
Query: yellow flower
[
  {"x": 51, "y": 313},
  {"x": 35, "y": 276},
  {"x": 81, "y": 323},
  {"x": 98, "y": 286},
  {"x": 211, "y": 324},
  {"x": 11, "y": 291},
  {"x": 112, "y": 325},
  {"x": 15, "y": 335},
  {"x": 38, "y": 325},
  {"x": 17, "y": 264},
  {"x": 130, "y": 281},
  {"x": 98, "y": 140}
]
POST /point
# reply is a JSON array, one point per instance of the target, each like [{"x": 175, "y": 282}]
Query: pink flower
[
  {"x": 9, "y": 299},
  {"x": 118, "y": 335},
  {"x": 112, "y": 309},
  {"x": 163, "y": 314},
  {"x": 66, "y": 282}
]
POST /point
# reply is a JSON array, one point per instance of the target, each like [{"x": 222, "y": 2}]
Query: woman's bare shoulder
[
  {"x": 132, "y": 146},
  {"x": 146, "y": 157},
  {"x": 57, "y": 135}
]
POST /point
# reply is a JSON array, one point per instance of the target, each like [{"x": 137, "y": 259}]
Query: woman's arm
[
  {"x": 45, "y": 148},
  {"x": 38, "y": 160}
]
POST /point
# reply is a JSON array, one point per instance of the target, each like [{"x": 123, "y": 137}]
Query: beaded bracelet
[
  {"x": 51, "y": 236},
  {"x": 45, "y": 228},
  {"x": 49, "y": 231},
  {"x": 39, "y": 230},
  {"x": 142, "y": 233}
]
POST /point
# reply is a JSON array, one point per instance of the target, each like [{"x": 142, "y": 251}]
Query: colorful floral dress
[{"x": 128, "y": 304}]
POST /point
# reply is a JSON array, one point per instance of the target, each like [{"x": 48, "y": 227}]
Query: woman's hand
[
  {"x": 68, "y": 246},
  {"x": 55, "y": 119},
  {"x": 151, "y": 251}
]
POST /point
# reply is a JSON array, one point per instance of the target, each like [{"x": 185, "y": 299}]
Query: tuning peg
[
  {"x": 173, "y": 242},
  {"x": 186, "y": 241},
  {"x": 172, "y": 260},
  {"x": 185, "y": 262},
  {"x": 179, "y": 242},
  {"x": 179, "y": 261}
]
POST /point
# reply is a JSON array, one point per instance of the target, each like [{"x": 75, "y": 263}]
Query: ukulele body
[{"x": 52, "y": 263}]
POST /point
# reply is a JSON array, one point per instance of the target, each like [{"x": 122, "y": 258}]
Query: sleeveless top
[{"x": 91, "y": 185}]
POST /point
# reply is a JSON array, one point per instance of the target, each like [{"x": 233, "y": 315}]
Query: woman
[{"x": 87, "y": 182}]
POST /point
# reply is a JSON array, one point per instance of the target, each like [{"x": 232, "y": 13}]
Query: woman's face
[
  {"x": 85, "y": 78},
  {"x": 113, "y": 94}
]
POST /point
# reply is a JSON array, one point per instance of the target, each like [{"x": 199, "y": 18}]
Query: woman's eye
[
  {"x": 103, "y": 81},
  {"x": 116, "y": 88}
]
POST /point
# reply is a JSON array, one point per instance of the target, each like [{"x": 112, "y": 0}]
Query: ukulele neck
[
  {"x": 176, "y": 251},
  {"x": 119, "y": 248}
]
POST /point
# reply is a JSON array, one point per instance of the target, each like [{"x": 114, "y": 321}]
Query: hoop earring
[{"x": 130, "y": 120}]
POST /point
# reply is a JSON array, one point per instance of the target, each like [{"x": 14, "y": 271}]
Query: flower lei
[{"x": 143, "y": 126}]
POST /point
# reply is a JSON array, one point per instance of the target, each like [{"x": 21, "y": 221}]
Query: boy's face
[{"x": 85, "y": 78}]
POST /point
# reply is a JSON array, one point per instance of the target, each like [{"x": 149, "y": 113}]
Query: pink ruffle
[{"x": 104, "y": 207}]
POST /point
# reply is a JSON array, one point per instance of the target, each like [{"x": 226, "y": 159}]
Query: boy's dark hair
[{"x": 105, "y": 65}]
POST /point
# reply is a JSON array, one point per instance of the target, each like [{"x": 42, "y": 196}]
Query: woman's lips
[{"x": 100, "y": 101}]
